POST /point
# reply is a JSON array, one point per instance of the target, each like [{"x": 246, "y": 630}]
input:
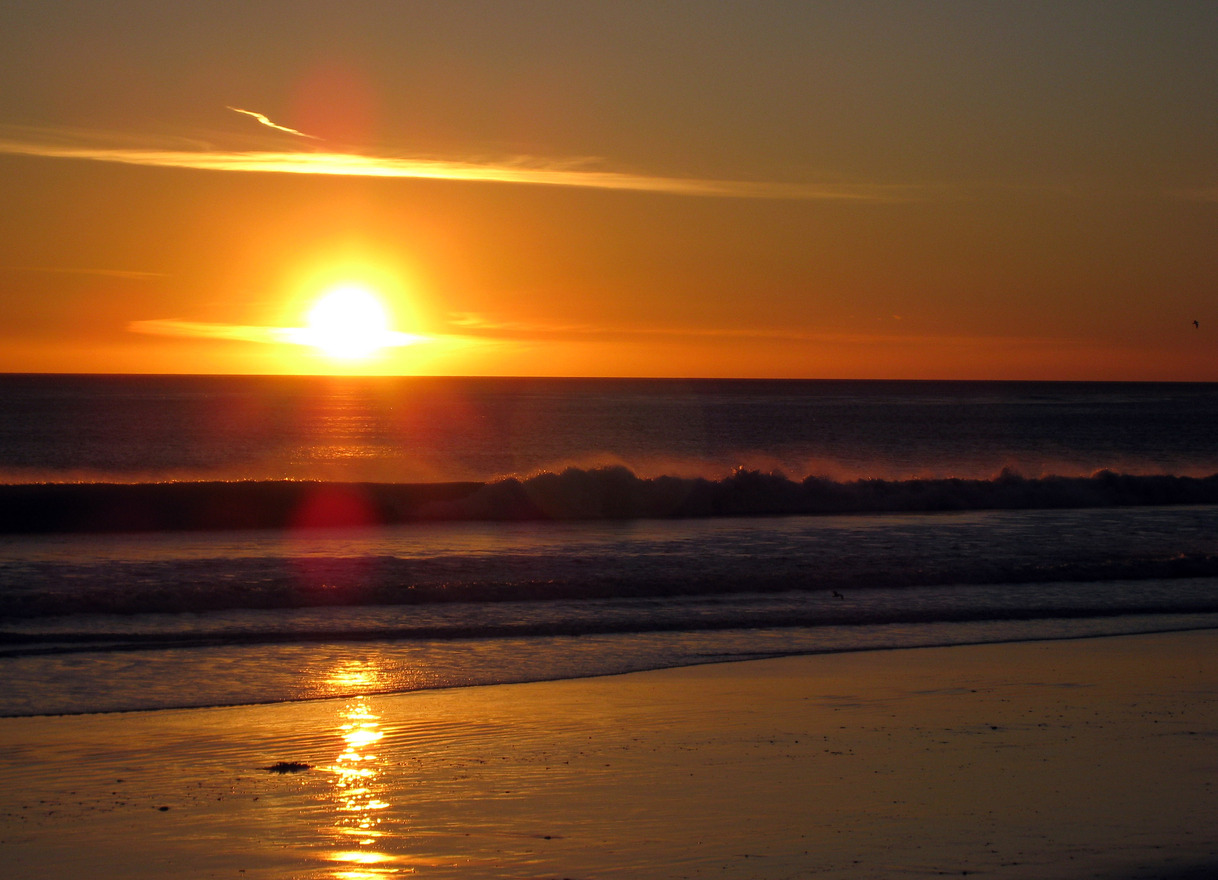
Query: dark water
[
  {"x": 134, "y": 428},
  {"x": 600, "y": 526}
]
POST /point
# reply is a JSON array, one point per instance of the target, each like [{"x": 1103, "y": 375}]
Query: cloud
[
  {"x": 261, "y": 118},
  {"x": 485, "y": 327},
  {"x": 520, "y": 170},
  {"x": 472, "y": 330},
  {"x": 253, "y": 333},
  {"x": 203, "y": 330},
  {"x": 127, "y": 274}
]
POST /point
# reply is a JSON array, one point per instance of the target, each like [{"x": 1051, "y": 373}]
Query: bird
[{"x": 1197, "y": 324}]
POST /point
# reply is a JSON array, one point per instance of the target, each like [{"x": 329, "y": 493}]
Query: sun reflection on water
[{"x": 353, "y": 675}]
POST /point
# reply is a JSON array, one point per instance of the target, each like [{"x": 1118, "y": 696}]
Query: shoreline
[
  {"x": 746, "y": 657},
  {"x": 1071, "y": 758}
]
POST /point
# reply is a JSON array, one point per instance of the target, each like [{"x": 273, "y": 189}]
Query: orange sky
[{"x": 872, "y": 189}]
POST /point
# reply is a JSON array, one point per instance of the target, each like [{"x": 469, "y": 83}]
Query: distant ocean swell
[
  {"x": 15, "y": 642},
  {"x": 460, "y": 580},
  {"x": 611, "y": 493},
  {"x": 284, "y": 584}
]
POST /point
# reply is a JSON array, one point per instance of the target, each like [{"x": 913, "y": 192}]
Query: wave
[
  {"x": 573, "y": 494},
  {"x": 22, "y": 644},
  {"x": 447, "y": 586}
]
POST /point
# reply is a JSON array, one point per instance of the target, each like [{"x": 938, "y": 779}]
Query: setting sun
[{"x": 349, "y": 322}]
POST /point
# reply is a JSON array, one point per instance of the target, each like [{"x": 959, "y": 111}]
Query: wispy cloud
[
  {"x": 126, "y": 274},
  {"x": 486, "y": 327},
  {"x": 520, "y": 170},
  {"x": 267, "y": 122},
  {"x": 254, "y": 333},
  {"x": 468, "y": 329},
  {"x": 204, "y": 330}
]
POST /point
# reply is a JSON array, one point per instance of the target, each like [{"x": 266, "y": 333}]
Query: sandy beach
[{"x": 1087, "y": 758}]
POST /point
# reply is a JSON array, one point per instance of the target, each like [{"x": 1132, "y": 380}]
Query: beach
[
  {"x": 1080, "y": 758},
  {"x": 608, "y": 441}
]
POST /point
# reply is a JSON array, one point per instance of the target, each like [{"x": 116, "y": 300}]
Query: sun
[
  {"x": 345, "y": 320},
  {"x": 349, "y": 322}
]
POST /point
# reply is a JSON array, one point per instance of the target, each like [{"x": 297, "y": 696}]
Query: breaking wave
[{"x": 611, "y": 493}]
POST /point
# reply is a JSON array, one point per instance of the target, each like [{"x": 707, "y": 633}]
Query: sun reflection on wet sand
[
  {"x": 358, "y": 794},
  {"x": 400, "y": 786}
]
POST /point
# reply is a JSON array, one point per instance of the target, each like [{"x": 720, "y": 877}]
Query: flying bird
[{"x": 267, "y": 122}]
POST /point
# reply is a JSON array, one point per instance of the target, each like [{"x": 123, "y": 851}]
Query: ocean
[{"x": 184, "y": 541}]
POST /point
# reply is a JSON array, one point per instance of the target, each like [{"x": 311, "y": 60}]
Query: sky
[{"x": 922, "y": 190}]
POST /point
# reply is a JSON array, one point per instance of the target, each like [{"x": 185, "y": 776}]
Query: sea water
[{"x": 795, "y": 517}]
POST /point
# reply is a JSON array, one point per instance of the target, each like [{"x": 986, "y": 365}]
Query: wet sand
[{"x": 1088, "y": 758}]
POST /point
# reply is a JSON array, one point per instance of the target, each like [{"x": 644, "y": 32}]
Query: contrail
[{"x": 265, "y": 121}]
